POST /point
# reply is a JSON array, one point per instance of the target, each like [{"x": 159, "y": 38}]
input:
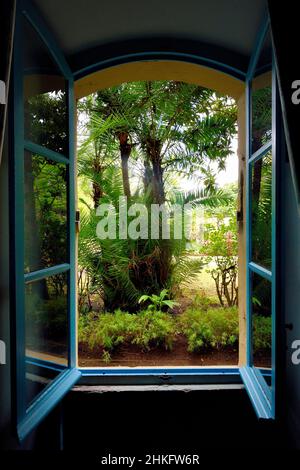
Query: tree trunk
[
  {"x": 158, "y": 183},
  {"x": 256, "y": 182},
  {"x": 97, "y": 190},
  {"x": 97, "y": 194},
  {"x": 163, "y": 266},
  {"x": 125, "y": 150},
  {"x": 147, "y": 179},
  {"x": 153, "y": 150},
  {"x": 125, "y": 175}
]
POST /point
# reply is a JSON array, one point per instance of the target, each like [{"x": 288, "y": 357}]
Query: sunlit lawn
[{"x": 201, "y": 284}]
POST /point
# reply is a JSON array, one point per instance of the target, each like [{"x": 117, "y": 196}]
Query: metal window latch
[
  {"x": 2, "y": 92},
  {"x": 165, "y": 377},
  {"x": 77, "y": 221}
]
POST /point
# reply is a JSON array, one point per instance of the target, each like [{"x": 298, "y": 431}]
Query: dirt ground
[{"x": 131, "y": 356}]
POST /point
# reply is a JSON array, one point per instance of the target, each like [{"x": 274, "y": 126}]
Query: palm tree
[
  {"x": 162, "y": 128},
  {"x": 175, "y": 125}
]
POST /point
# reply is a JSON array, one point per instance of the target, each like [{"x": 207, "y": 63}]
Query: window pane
[
  {"x": 262, "y": 98},
  {"x": 45, "y": 196},
  {"x": 262, "y": 211},
  {"x": 44, "y": 94},
  {"x": 37, "y": 379},
  {"x": 46, "y": 325},
  {"x": 261, "y": 321}
]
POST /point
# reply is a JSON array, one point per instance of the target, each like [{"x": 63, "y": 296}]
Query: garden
[
  {"x": 157, "y": 277},
  {"x": 163, "y": 294}
]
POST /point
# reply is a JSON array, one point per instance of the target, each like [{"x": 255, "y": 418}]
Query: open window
[
  {"x": 259, "y": 373},
  {"x": 157, "y": 282},
  {"x": 43, "y": 222},
  {"x": 44, "y": 241}
]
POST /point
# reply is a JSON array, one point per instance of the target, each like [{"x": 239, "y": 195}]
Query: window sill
[
  {"x": 157, "y": 377},
  {"x": 99, "y": 389}
]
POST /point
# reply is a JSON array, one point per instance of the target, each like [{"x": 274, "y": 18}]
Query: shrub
[
  {"x": 153, "y": 330},
  {"x": 109, "y": 330},
  {"x": 221, "y": 247},
  {"x": 203, "y": 325},
  {"x": 214, "y": 328}
]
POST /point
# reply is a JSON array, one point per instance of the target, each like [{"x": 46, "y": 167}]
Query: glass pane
[
  {"x": 46, "y": 324},
  {"x": 45, "y": 105},
  {"x": 262, "y": 97},
  {"x": 261, "y": 200},
  {"x": 45, "y": 195},
  {"x": 37, "y": 379},
  {"x": 261, "y": 321}
]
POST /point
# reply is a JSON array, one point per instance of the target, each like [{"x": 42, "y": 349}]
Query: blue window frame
[
  {"x": 259, "y": 374},
  {"x": 43, "y": 193},
  {"x": 45, "y": 158}
]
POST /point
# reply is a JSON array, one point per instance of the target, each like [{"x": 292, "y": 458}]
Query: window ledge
[{"x": 154, "y": 388}]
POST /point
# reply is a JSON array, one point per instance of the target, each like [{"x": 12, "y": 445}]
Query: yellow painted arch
[
  {"x": 160, "y": 70},
  {"x": 206, "y": 77}
]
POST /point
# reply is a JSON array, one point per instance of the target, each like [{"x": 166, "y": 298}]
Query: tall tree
[{"x": 159, "y": 129}]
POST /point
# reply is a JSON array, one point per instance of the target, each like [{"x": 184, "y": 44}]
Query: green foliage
[
  {"x": 122, "y": 270},
  {"x": 262, "y": 332},
  {"x": 106, "y": 330},
  {"x": 45, "y": 319},
  {"x": 149, "y": 330},
  {"x": 196, "y": 122},
  {"x": 220, "y": 248},
  {"x": 262, "y": 210},
  {"x": 158, "y": 302},
  {"x": 261, "y": 115},
  {"x": 204, "y": 326},
  {"x": 45, "y": 213},
  {"x": 136, "y": 138},
  {"x": 106, "y": 357},
  {"x": 203, "y": 302},
  {"x": 213, "y": 328},
  {"x": 46, "y": 120},
  {"x": 109, "y": 330},
  {"x": 106, "y": 266}
]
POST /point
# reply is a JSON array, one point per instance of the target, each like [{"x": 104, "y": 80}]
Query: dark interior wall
[
  {"x": 127, "y": 423},
  {"x": 290, "y": 224},
  {"x": 8, "y": 438},
  {"x": 5, "y": 377}
]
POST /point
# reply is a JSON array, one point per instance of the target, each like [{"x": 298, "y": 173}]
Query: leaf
[
  {"x": 163, "y": 293},
  {"x": 143, "y": 298},
  {"x": 170, "y": 303}
]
